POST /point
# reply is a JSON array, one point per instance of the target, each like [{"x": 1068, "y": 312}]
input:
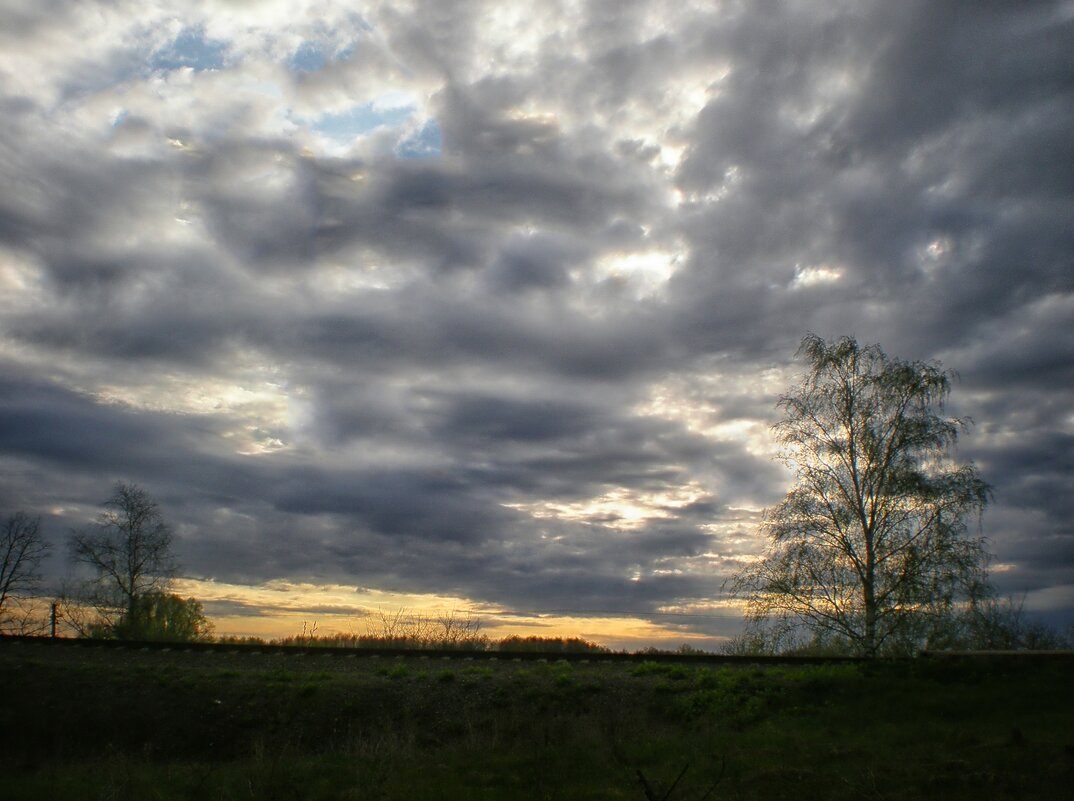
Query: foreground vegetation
[{"x": 106, "y": 724}]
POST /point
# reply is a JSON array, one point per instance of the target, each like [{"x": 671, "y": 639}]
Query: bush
[
  {"x": 555, "y": 645},
  {"x": 162, "y": 617}
]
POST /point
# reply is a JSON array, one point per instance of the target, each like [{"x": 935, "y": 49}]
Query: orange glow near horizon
[{"x": 279, "y": 609}]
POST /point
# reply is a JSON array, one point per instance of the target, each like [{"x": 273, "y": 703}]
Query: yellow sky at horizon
[{"x": 278, "y": 609}]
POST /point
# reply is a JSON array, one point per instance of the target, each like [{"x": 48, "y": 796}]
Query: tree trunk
[{"x": 870, "y": 612}]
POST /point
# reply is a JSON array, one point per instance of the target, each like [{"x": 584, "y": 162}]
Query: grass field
[{"x": 127, "y": 724}]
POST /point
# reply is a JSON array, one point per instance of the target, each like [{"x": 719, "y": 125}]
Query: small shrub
[
  {"x": 479, "y": 672},
  {"x": 668, "y": 670},
  {"x": 395, "y": 672}
]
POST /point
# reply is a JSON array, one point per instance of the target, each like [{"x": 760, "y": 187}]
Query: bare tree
[
  {"x": 869, "y": 547},
  {"x": 451, "y": 629},
  {"x": 457, "y": 629},
  {"x": 22, "y": 549},
  {"x": 129, "y": 551}
]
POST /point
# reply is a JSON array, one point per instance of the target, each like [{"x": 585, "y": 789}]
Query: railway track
[{"x": 254, "y": 649}]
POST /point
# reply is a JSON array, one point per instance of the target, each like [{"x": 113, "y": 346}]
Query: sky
[{"x": 487, "y": 305}]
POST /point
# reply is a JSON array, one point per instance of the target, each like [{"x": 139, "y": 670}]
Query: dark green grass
[{"x": 143, "y": 725}]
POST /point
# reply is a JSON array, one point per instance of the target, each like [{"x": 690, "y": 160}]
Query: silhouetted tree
[
  {"x": 869, "y": 547},
  {"x": 129, "y": 551},
  {"x": 22, "y": 549}
]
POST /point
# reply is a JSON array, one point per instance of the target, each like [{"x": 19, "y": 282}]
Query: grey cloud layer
[{"x": 449, "y": 345}]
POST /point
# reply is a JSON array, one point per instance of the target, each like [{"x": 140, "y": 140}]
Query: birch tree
[{"x": 870, "y": 547}]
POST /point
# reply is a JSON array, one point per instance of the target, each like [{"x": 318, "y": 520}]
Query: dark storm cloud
[
  {"x": 422, "y": 504},
  {"x": 435, "y": 324},
  {"x": 482, "y": 420},
  {"x": 533, "y": 262},
  {"x": 44, "y": 422},
  {"x": 866, "y": 183},
  {"x": 506, "y": 172},
  {"x": 380, "y": 524},
  {"x": 435, "y": 352}
]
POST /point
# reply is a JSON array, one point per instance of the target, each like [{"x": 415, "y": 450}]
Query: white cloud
[{"x": 815, "y": 275}]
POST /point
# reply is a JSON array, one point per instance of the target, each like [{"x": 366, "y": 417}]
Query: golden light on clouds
[
  {"x": 815, "y": 275},
  {"x": 709, "y": 402},
  {"x": 646, "y": 271},
  {"x": 260, "y": 409},
  {"x": 620, "y": 508}
]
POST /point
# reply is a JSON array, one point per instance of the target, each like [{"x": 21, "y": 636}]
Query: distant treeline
[{"x": 476, "y": 642}]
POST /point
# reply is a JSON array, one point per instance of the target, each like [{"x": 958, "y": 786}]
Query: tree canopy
[
  {"x": 870, "y": 548},
  {"x": 164, "y": 617}
]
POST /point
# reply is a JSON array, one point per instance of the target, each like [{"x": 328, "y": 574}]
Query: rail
[{"x": 511, "y": 656}]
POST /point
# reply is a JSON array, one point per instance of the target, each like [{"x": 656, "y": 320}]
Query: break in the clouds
[{"x": 493, "y": 300}]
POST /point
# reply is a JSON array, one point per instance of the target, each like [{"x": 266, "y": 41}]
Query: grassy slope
[{"x": 170, "y": 726}]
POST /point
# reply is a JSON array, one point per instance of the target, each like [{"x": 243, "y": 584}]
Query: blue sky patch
[
  {"x": 360, "y": 120},
  {"x": 191, "y": 49},
  {"x": 309, "y": 57},
  {"x": 423, "y": 143}
]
